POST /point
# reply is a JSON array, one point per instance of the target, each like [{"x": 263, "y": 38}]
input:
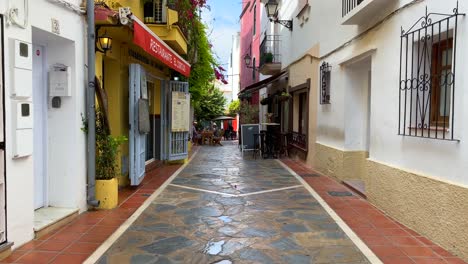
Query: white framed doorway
[
  {"x": 40, "y": 126},
  {"x": 3, "y": 205}
]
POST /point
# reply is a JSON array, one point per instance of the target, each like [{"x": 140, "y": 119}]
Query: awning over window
[
  {"x": 259, "y": 85},
  {"x": 153, "y": 45}
]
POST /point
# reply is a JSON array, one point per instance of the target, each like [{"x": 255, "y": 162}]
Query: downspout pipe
[{"x": 90, "y": 105}]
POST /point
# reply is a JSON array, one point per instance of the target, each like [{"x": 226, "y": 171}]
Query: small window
[
  {"x": 303, "y": 108},
  {"x": 443, "y": 79},
  {"x": 254, "y": 68},
  {"x": 24, "y": 50},
  {"x": 255, "y": 20},
  {"x": 325, "y": 77}
]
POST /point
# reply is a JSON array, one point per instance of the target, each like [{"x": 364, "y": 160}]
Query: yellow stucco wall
[
  {"x": 340, "y": 164},
  {"x": 157, "y": 98},
  {"x": 299, "y": 72},
  {"x": 116, "y": 85},
  {"x": 434, "y": 208},
  {"x": 171, "y": 34}
]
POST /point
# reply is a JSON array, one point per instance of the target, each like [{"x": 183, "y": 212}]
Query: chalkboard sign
[{"x": 247, "y": 134}]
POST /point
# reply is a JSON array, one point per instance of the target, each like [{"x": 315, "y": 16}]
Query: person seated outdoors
[
  {"x": 217, "y": 135},
  {"x": 196, "y": 136}
]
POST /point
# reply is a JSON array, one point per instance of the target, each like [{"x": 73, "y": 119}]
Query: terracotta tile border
[
  {"x": 390, "y": 240},
  {"x": 76, "y": 241}
]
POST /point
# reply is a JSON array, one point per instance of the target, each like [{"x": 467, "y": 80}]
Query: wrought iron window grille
[
  {"x": 325, "y": 79},
  {"x": 428, "y": 55}
]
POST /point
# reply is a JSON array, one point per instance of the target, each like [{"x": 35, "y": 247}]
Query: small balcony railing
[
  {"x": 349, "y": 5},
  {"x": 155, "y": 11},
  {"x": 270, "y": 50},
  {"x": 298, "y": 141}
]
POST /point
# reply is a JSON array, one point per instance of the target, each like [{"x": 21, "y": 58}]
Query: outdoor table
[{"x": 207, "y": 135}]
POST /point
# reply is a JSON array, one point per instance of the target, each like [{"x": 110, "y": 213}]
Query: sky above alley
[{"x": 223, "y": 23}]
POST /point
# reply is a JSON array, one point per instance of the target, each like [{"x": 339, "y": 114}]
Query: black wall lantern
[
  {"x": 104, "y": 43},
  {"x": 248, "y": 60},
  {"x": 272, "y": 11}
]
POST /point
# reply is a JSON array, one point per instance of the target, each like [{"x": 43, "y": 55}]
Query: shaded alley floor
[{"x": 223, "y": 208}]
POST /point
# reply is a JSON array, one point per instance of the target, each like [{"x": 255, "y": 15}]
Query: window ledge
[{"x": 432, "y": 128}]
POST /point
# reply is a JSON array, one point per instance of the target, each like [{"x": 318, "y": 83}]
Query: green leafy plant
[
  {"x": 268, "y": 57},
  {"x": 107, "y": 148},
  {"x": 265, "y": 101},
  {"x": 234, "y": 108},
  {"x": 284, "y": 96},
  {"x": 248, "y": 113}
]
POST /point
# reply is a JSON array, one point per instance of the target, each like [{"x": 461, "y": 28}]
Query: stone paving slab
[{"x": 195, "y": 226}]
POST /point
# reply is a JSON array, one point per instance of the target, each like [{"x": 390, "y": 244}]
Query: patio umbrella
[{"x": 223, "y": 118}]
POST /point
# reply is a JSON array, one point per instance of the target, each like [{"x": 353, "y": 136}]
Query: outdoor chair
[{"x": 217, "y": 139}]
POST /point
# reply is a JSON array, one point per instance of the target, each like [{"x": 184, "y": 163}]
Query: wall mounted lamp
[
  {"x": 272, "y": 11},
  {"x": 104, "y": 43},
  {"x": 248, "y": 61}
]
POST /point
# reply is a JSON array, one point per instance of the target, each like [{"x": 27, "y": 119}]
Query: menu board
[{"x": 180, "y": 112}]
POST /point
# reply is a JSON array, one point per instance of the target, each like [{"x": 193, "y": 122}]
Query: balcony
[
  {"x": 162, "y": 20},
  {"x": 270, "y": 56},
  {"x": 357, "y": 12}
]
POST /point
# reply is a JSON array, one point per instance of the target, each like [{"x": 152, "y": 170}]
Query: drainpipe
[{"x": 90, "y": 101}]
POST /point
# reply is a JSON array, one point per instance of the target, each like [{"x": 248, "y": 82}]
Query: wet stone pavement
[{"x": 223, "y": 208}]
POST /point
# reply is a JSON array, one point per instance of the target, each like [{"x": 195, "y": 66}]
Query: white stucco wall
[
  {"x": 67, "y": 168},
  {"x": 440, "y": 159},
  {"x": 234, "y": 66}
]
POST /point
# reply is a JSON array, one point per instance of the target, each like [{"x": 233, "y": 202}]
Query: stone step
[{"x": 357, "y": 186}]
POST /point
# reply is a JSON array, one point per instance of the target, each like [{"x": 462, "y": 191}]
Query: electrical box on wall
[
  {"x": 60, "y": 81},
  {"x": 22, "y": 125},
  {"x": 21, "y": 69}
]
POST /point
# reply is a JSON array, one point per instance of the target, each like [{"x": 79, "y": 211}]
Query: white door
[
  {"x": 137, "y": 140},
  {"x": 40, "y": 127}
]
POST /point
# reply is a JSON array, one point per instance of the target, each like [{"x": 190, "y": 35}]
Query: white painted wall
[
  {"x": 234, "y": 66},
  {"x": 69, "y": 168},
  {"x": 338, "y": 124},
  {"x": 440, "y": 159}
]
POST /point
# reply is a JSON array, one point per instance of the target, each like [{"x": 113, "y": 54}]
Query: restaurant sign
[{"x": 153, "y": 45}]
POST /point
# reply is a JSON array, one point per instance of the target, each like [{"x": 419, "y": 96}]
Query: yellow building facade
[{"x": 113, "y": 67}]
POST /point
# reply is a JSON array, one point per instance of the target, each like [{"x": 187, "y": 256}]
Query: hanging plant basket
[
  {"x": 284, "y": 97},
  {"x": 265, "y": 101}
]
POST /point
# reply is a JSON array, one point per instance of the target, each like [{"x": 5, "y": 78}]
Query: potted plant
[
  {"x": 268, "y": 57},
  {"x": 269, "y": 117},
  {"x": 107, "y": 149},
  {"x": 265, "y": 101},
  {"x": 284, "y": 96}
]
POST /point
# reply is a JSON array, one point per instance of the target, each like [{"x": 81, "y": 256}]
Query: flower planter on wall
[{"x": 107, "y": 192}]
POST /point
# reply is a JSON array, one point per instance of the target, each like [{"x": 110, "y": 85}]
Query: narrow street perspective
[
  {"x": 223, "y": 208},
  {"x": 231, "y": 132}
]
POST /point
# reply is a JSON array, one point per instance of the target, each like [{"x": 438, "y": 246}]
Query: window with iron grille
[
  {"x": 427, "y": 77},
  {"x": 154, "y": 11},
  {"x": 325, "y": 78}
]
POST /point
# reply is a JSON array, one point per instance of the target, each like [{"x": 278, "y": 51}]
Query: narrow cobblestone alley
[{"x": 223, "y": 208}]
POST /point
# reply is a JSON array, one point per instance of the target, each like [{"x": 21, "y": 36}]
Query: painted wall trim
[
  {"x": 434, "y": 178},
  {"x": 357, "y": 57}
]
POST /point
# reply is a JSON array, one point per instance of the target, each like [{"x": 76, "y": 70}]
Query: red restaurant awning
[{"x": 153, "y": 45}]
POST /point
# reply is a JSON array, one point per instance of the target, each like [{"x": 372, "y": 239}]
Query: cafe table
[{"x": 207, "y": 135}]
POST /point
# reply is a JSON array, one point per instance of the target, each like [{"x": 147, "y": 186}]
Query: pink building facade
[{"x": 250, "y": 44}]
